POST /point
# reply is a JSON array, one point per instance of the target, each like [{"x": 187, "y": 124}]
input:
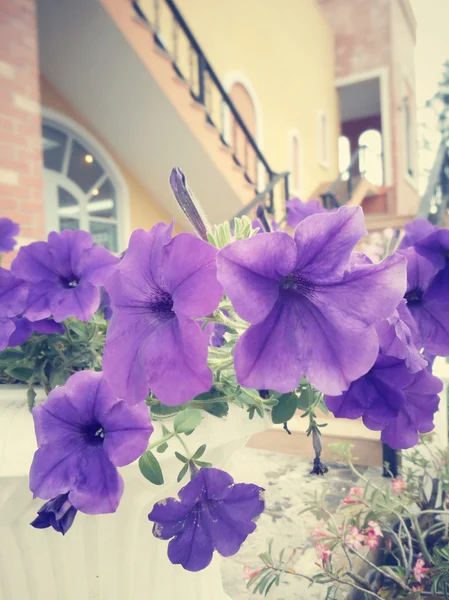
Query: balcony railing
[{"x": 174, "y": 38}]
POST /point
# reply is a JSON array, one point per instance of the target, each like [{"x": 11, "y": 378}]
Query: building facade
[{"x": 99, "y": 99}]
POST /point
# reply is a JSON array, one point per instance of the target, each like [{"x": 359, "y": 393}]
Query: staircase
[{"x": 191, "y": 67}]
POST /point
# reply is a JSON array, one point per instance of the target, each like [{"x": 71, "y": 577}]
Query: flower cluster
[{"x": 213, "y": 318}]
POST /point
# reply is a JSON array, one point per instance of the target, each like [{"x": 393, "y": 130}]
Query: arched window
[
  {"x": 295, "y": 151},
  {"x": 370, "y": 156},
  {"x": 83, "y": 187},
  {"x": 344, "y": 156}
]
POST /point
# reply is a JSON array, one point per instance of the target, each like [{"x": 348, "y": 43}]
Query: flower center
[
  {"x": 295, "y": 282},
  {"x": 162, "y": 304},
  {"x": 93, "y": 434},
  {"x": 69, "y": 282},
  {"x": 414, "y": 296}
]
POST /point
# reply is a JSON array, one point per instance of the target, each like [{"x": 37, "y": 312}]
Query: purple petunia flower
[
  {"x": 435, "y": 247},
  {"x": 153, "y": 341},
  {"x": 84, "y": 433},
  {"x": 58, "y": 513},
  {"x": 392, "y": 400},
  {"x": 399, "y": 336},
  {"x": 427, "y": 298},
  {"x": 215, "y": 332},
  {"x": 297, "y": 210},
  {"x": 415, "y": 231},
  {"x": 13, "y": 295},
  {"x": 24, "y": 329},
  {"x": 213, "y": 513},
  {"x": 105, "y": 305},
  {"x": 8, "y": 230},
  {"x": 64, "y": 275},
  {"x": 312, "y": 310}
]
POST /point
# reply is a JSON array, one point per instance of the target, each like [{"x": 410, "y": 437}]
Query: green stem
[
  {"x": 186, "y": 450},
  {"x": 421, "y": 541},
  {"x": 161, "y": 441}
]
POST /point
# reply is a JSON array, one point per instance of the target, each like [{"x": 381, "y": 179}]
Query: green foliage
[
  {"x": 49, "y": 360},
  {"x": 187, "y": 421},
  {"x": 150, "y": 468},
  {"x": 285, "y": 409},
  {"x": 222, "y": 235}
]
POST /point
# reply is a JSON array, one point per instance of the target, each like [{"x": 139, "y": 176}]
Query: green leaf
[
  {"x": 11, "y": 355},
  {"x": 150, "y": 468},
  {"x": 31, "y": 396},
  {"x": 165, "y": 431},
  {"x": 162, "y": 448},
  {"x": 181, "y": 457},
  {"x": 285, "y": 408},
  {"x": 187, "y": 420},
  {"x": 59, "y": 377},
  {"x": 20, "y": 373},
  {"x": 182, "y": 472},
  {"x": 303, "y": 401},
  {"x": 200, "y": 463},
  {"x": 199, "y": 452},
  {"x": 217, "y": 409},
  {"x": 165, "y": 411}
]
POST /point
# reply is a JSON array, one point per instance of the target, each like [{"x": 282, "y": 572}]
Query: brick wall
[{"x": 21, "y": 180}]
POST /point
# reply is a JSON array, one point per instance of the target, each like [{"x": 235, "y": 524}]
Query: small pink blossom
[
  {"x": 417, "y": 588},
  {"x": 248, "y": 574},
  {"x": 320, "y": 532},
  {"x": 371, "y": 540},
  {"x": 374, "y": 528},
  {"x": 398, "y": 485},
  {"x": 350, "y": 499},
  {"x": 419, "y": 570},
  {"x": 389, "y": 543},
  {"x": 355, "y": 538},
  {"x": 323, "y": 552}
]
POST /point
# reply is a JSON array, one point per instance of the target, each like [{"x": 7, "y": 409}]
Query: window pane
[
  {"x": 68, "y": 206},
  {"x": 53, "y": 143},
  {"x": 102, "y": 202},
  {"x": 67, "y": 223},
  {"x": 104, "y": 234},
  {"x": 83, "y": 168}
]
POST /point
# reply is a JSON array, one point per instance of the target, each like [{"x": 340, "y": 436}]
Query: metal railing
[
  {"x": 175, "y": 38},
  {"x": 435, "y": 201},
  {"x": 267, "y": 196}
]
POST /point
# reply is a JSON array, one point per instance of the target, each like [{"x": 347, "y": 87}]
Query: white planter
[{"x": 105, "y": 557}]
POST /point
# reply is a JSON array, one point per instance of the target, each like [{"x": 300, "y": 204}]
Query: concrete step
[{"x": 367, "y": 447}]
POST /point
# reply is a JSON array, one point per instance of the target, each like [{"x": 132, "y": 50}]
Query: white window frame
[
  {"x": 52, "y": 179},
  {"x": 295, "y": 135},
  {"x": 323, "y": 149}
]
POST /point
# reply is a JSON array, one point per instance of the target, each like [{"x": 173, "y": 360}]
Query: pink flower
[
  {"x": 323, "y": 552},
  {"x": 248, "y": 574},
  {"x": 320, "y": 532},
  {"x": 371, "y": 540},
  {"x": 417, "y": 588},
  {"x": 355, "y": 539},
  {"x": 419, "y": 570},
  {"x": 374, "y": 528},
  {"x": 389, "y": 543},
  {"x": 398, "y": 485},
  {"x": 357, "y": 492}
]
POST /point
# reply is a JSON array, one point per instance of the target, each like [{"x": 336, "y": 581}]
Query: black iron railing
[
  {"x": 435, "y": 201},
  {"x": 175, "y": 38},
  {"x": 277, "y": 185},
  {"x": 342, "y": 188}
]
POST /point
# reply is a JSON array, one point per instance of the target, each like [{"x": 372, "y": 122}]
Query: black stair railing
[
  {"x": 435, "y": 201},
  {"x": 175, "y": 38},
  {"x": 342, "y": 188},
  {"x": 278, "y": 184}
]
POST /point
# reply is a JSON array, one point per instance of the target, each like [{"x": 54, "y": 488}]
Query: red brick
[
  {"x": 18, "y": 216},
  {"x": 8, "y": 203},
  {"x": 32, "y": 207}
]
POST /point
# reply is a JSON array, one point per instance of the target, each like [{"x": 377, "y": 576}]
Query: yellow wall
[
  {"x": 285, "y": 48},
  {"x": 144, "y": 211}
]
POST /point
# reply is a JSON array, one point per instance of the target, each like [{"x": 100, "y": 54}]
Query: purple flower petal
[
  {"x": 6, "y": 330},
  {"x": 325, "y": 243},
  {"x": 84, "y": 433},
  {"x": 391, "y": 399},
  {"x": 58, "y": 513},
  {"x": 47, "y": 326},
  {"x": 23, "y": 330},
  {"x": 213, "y": 514},
  {"x": 62, "y": 274},
  {"x": 297, "y": 210},
  {"x": 98, "y": 487},
  {"x": 415, "y": 231},
  {"x": 13, "y": 294},
  {"x": 435, "y": 247},
  {"x": 189, "y": 269},
  {"x": 250, "y": 271},
  {"x": 8, "y": 230},
  {"x": 153, "y": 341},
  {"x": 174, "y": 357}
]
